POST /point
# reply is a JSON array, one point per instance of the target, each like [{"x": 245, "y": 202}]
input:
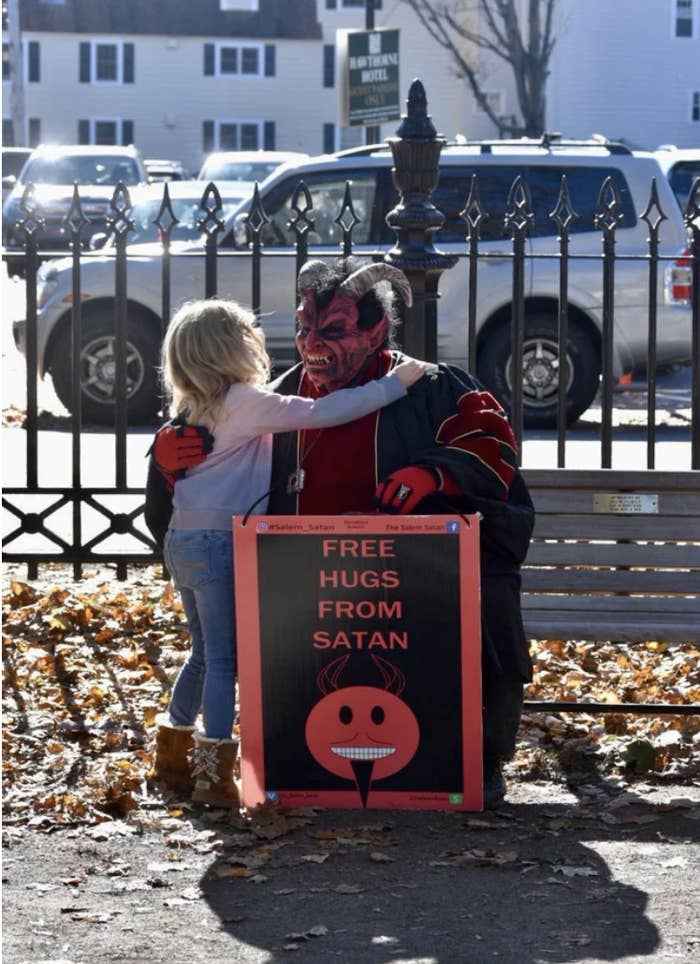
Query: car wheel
[
  {"x": 98, "y": 370},
  {"x": 541, "y": 370}
]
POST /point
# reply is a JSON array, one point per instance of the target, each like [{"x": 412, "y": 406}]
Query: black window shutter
[
  {"x": 128, "y": 72},
  {"x": 208, "y": 60},
  {"x": 83, "y": 132},
  {"x": 34, "y": 62},
  {"x": 84, "y": 63},
  {"x": 269, "y": 136},
  {"x": 329, "y": 65},
  {"x": 269, "y": 60},
  {"x": 127, "y": 132},
  {"x": 34, "y": 131},
  {"x": 331, "y": 4},
  {"x": 328, "y": 138},
  {"x": 208, "y": 136}
]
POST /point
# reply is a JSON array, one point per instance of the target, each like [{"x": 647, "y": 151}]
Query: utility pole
[
  {"x": 16, "y": 75},
  {"x": 372, "y": 134}
]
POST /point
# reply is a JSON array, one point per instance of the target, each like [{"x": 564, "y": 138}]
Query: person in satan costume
[{"x": 445, "y": 447}]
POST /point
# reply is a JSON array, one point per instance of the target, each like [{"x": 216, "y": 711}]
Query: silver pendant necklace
[{"x": 297, "y": 479}]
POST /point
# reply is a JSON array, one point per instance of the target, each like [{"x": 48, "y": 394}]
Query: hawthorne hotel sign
[{"x": 369, "y": 68}]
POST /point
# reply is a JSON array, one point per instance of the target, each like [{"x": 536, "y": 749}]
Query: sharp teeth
[
  {"x": 363, "y": 752},
  {"x": 318, "y": 359}
]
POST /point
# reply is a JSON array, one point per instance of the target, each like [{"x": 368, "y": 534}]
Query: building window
[
  {"x": 31, "y": 62},
  {"x": 695, "y": 106},
  {"x": 106, "y": 62},
  {"x": 495, "y": 100},
  {"x": 233, "y": 135},
  {"x": 32, "y": 128},
  {"x": 248, "y": 6},
  {"x": 684, "y": 16},
  {"x": 239, "y": 59},
  {"x": 105, "y": 131},
  {"x": 350, "y": 4}
]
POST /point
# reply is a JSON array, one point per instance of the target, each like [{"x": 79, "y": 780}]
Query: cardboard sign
[{"x": 359, "y": 660}]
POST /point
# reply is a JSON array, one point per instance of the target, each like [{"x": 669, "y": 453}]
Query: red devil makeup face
[
  {"x": 362, "y": 724},
  {"x": 332, "y": 347}
]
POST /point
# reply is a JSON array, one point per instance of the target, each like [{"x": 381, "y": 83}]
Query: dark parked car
[{"x": 54, "y": 171}]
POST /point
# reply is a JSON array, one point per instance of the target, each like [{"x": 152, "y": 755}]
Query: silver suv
[
  {"x": 54, "y": 169},
  {"x": 368, "y": 171}
]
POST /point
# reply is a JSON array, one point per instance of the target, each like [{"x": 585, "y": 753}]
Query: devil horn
[
  {"x": 310, "y": 273},
  {"x": 359, "y": 282},
  {"x": 394, "y": 680},
  {"x": 328, "y": 679}
]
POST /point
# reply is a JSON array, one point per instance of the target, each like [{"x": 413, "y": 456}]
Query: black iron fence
[{"x": 115, "y": 352}]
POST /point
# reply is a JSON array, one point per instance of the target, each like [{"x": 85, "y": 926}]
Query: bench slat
[
  {"x": 610, "y": 580},
  {"x": 662, "y": 528},
  {"x": 613, "y": 554},
  {"x": 637, "y": 607},
  {"x": 548, "y": 501},
  {"x": 609, "y": 480},
  {"x": 544, "y": 625}
]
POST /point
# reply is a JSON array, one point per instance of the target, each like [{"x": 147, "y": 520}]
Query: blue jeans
[{"x": 201, "y": 565}]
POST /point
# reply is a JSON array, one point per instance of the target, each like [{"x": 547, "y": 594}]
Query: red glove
[
  {"x": 401, "y": 492},
  {"x": 179, "y": 447}
]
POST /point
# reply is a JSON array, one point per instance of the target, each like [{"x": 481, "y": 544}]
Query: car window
[
  {"x": 187, "y": 211},
  {"x": 327, "y": 193},
  {"x": 94, "y": 169},
  {"x": 12, "y": 163},
  {"x": 237, "y": 170},
  {"x": 495, "y": 182},
  {"x": 682, "y": 177}
]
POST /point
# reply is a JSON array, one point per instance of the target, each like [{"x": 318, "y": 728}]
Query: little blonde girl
[{"x": 216, "y": 368}]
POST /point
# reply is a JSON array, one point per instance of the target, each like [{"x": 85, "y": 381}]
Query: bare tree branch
[{"x": 527, "y": 48}]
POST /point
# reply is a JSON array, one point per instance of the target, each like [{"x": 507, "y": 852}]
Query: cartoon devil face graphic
[{"x": 362, "y": 733}]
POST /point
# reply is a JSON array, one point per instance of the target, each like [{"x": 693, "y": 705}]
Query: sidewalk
[{"x": 550, "y": 877}]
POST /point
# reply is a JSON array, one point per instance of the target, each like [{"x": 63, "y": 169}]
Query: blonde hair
[{"x": 210, "y": 345}]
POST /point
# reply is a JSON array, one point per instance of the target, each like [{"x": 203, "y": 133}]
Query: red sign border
[{"x": 245, "y": 534}]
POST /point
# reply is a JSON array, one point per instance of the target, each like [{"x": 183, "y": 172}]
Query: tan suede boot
[
  {"x": 213, "y": 763},
  {"x": 172, "y": 766}
]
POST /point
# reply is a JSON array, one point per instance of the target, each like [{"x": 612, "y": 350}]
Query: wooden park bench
[{"x": 615, "y": 556}]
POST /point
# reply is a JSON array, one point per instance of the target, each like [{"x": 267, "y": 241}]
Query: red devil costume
[{"x": 445, "y": 447}]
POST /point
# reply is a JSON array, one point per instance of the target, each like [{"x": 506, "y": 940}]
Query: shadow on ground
[{"x": 548, "y": 877}]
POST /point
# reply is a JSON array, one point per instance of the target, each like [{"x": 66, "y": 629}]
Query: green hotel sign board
[{"x": 369, "y": 66}]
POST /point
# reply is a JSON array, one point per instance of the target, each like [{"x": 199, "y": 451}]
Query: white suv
[{"x": 368, "y": 172}]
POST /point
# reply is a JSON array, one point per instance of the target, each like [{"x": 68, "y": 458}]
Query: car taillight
[{"x": 678, "y": 280}]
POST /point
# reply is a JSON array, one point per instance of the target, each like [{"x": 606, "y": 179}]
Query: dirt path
[{"x": 550, "y": 877}]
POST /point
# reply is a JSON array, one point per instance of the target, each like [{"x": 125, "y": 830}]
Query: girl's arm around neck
[{"x": 259, "y": 412}]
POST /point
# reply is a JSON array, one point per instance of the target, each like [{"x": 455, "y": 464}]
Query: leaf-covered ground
[{"x": 88, "y": 665}]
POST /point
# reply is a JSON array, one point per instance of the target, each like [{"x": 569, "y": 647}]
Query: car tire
[
  {"x": 97, "y": 370},
  {"x": 540, "y": 370}
]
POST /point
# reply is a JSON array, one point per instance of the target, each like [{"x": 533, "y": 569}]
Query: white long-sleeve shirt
[{"x": 237, "y": 471}]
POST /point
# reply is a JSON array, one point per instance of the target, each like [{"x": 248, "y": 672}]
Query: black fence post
[{"x": 415, "y": 219}]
